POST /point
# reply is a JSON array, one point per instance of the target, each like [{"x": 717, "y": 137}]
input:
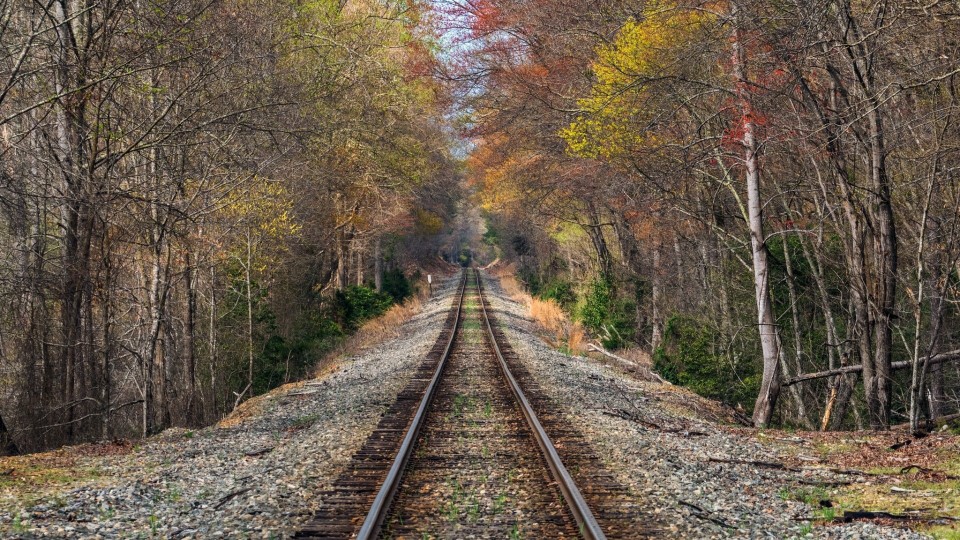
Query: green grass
[
  {"x": 499, "y": 503},
  {"x": 19, "y": 525},
  {"x": 944, "y": 532},
  {"x": 809, "y": 495},
  {"x": 35, "y": 475}
]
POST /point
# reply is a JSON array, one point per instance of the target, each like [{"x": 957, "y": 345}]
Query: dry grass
[
  {"x": 511, "y": 285},
  {"x": 562, "y": 333},
  {"x": 569, "y": 336},
  {"x": 378, "y": 330},
  {"x": 548, "y": 315}
]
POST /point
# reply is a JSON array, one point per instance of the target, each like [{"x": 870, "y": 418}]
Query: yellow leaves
[
  {"x": 265, "y": 206},
  {"x": 647, "y": 48},
  {"x": 566, "y": 233},
  {"x": 428, "y": 223},
  {"x": 499, "y": 188},
  {"x": 599, "y": 135},
  {"x": 620, "y": 114}
]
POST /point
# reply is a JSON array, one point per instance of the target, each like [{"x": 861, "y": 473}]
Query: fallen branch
[
  {"x": 848, "y": 472},
  {"x": 634, "y": 365},
  {"x": 755, "y": 463},
  {"x": 620, "y": 413},
  {"x": 825, "y": 483},
  {"x": 900, "y": 444},
  {"x": 924, "y": 470},
  {"x": 704, "y": 514},
  {"x": 931, "y": 360},
  {"x": 259, "y": 452},
  {"x": 915, "y": 516},
  {"x": 230, "y": 496}
]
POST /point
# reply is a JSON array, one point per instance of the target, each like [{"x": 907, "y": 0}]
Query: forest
[
  {"x": 200, "y": 199},
  {"x": 763, "y": 195}
]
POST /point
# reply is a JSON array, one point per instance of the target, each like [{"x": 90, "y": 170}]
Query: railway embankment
[{"x": 262, "y": 473}]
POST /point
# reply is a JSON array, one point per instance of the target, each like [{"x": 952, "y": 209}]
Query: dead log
[
  {"x": 937, "y": 422},
  {"x": 763, "y": 464},
  {"x": 629, "y": 363},
  {"x": 230, "y": 496},
  {"x": 917, "y": 516},
  {"x": 932, "y": 360}
]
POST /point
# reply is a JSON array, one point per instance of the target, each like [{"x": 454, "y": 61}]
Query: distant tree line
[
  {"x": 186, "y": 184},
  {"x": 763, "y": 194}
]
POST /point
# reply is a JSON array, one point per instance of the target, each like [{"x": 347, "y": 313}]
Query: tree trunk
[
  {"x": 249, "y": 283},
  {"x": 378, "y": 264},
  {"x": 190, "y": 348},
  {"x": 212, "y": 344},
  {"x": 359, "y": 265},
  {"x": 885, "y": 237},
  {"x": 769, "y": 336},
  {"x": 595, "y": 232},
  {"x": 107, "y": 329},
  {"x": 656, "y": 317},
  {"x": 795, "y": 393}
]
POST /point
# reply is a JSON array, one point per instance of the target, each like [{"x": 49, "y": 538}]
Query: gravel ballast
[
  {"x": 261, "y": 477},
  {"x": 262, "y": 473},
  {"x": 659, "y": 441}
]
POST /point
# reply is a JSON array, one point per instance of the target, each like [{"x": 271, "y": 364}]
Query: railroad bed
[{"x": 472, "y": 449}]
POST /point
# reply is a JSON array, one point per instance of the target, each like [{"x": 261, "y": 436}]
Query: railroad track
[{"x": 466, "y": 451}]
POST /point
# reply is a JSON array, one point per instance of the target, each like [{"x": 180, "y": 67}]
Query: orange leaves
[
  {"x": 486, "y": 18},
  {"x": 534, "y": 73}
]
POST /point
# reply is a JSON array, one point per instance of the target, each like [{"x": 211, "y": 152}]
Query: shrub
[
  {"x": 606, "y": 316},
  {"x": 356, "y": 305},
  {"x": 530, "y": 279},
  {"x": 562, "y": 293},
  {"x": 692, "y": 355},
  {"x": 396, "y": 284}
]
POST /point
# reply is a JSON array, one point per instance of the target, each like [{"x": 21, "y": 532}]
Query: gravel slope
[
  {"x": 257, "y": 478},
  {"x": 656, "y": 439}
]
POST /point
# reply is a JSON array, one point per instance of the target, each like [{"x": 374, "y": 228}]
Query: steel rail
[
  {"x": 381, "y": 504},
  {"x": 578, "y": 506}
]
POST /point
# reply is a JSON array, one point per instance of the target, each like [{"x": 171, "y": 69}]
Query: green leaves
[{"x": 607, "y": 316}]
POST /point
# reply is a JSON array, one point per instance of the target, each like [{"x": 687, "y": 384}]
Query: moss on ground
[
  {"x": 903, "y": 475},
  {"x": 26, "y": 480}
]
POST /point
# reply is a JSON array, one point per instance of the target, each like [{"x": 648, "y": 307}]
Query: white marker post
[{"x": 430, "y": 283}]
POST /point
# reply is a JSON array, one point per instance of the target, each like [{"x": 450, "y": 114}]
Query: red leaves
[
  {"x": 485, "y": 18},
  {"x": 419, "y": 62}
]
